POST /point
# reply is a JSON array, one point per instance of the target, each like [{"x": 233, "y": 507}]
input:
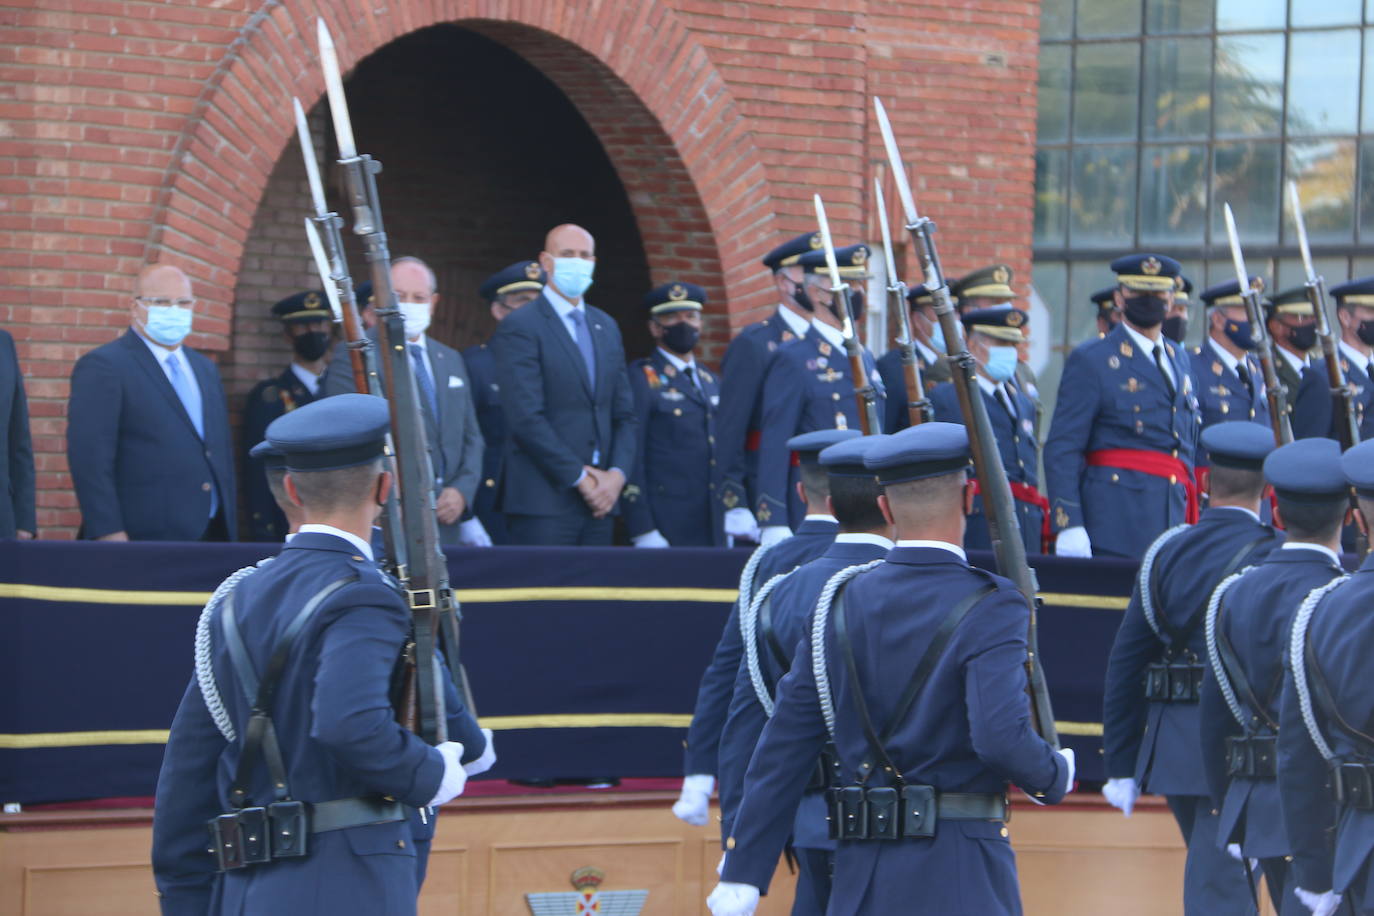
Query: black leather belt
[
  {"x": 257, "y": 835},
  {"x": 971, "y": 806},
  {"x": 1352, "y": 785},
  {"x": 906, "y": 812},
  {"x": 343, "y": 813},
  {"x": 1174, "y": 681},
  {"x": 1253, "y": 757}
]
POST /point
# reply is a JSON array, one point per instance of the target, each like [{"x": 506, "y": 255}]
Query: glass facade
[{"x": 1152, "y": 114}]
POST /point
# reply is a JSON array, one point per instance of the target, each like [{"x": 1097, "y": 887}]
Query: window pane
[
  {"x": 1109, "y": 17},
  {"x": 1325, "y": 12},
  {"x": 1052, "y": 114},
  {"x": 1106, "y": 82},
  {"x": 1224, "y": 271},
  {"x": 1251, "y": 14},
  {"x": 1291, "y": 273},
  {"x": 1051, "y": 196},
  {"x": 1178, "y": 91},
  {"x": 1056, "y": 19},
  {"x": 1194, "y": 272},
  {"x": 1322, "y": 94},
  {"x": 1249, "y": 91},
  {"x": 1179, "y": 15},
  {"x": 1246, "y": 175},
  {"x": 1325, "y": 173},
  {"x": 1086, "y": 278},
  {"x": 1367, "y": 117},
  {"x": 1367, "y": 188},
  {"x": 1173, "y": 194},
  {"x": 1103, "y": 210}
]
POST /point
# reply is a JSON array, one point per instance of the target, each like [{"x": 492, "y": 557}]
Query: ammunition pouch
[
  {"x": 257, "y": 835},
  {"x": 826, "y": 772},
  {"x": 1352, "y": 785},
  {"x": 1174, "y": 681},
  {"x": 905, "y": 812},
  {"x": 1254, "y": 757}
]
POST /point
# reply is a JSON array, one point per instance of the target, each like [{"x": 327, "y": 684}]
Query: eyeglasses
[{"x": 162, "y": 302}]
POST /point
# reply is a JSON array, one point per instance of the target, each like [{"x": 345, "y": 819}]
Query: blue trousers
[{"x": 1214, "y": 884}]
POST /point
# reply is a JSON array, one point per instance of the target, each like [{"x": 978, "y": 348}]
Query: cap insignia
[
  {"x": 312, "y": 300},
  {"x": 1151, "y": 266},
  {"x": 816, "y": 240},
  {"x": 1000, "y": 275},
  {"x": 677, "y": 291},
  {"x": 859, "y": 256},
  {"x": 1014, "y": 318},
  {"x": 532, "y": 270}
]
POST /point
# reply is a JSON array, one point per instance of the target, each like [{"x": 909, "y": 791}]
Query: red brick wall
[{"x": 137, "y": 131}]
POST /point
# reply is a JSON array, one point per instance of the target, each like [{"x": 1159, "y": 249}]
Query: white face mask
[{"x": 416, "y": 317}]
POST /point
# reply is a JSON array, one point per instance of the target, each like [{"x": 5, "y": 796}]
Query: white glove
[
  {"x": 720, "y": 866},
  {"x": 651, "y": 539},
  {"x": 472, "y": 533},
  {"x": 693, "y": 804},
  {"x": 1067, "y": 754},
  {"x": 730, "y": 899},
  {"x": 1234, "y": 851},
  {"x": 740, "y": 524},
  {"x": 455, "y": 778},
  {"x": 486, "y": 761},
  {"x": 1073, "y": 542},
  {"x": 1323, "y": 904},
  {"x": 1121, "y": 793},
  {"x": 772, "y": 534}
]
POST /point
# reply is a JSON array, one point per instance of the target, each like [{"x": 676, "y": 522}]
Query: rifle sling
[
  {"x": 919, "y": 677},
  {"x": 1179, "y": 636},
  {"x": 1321, "y": 692},
  {"x": 1235, "y": 673},
  {"x": 769, "y": 638}
]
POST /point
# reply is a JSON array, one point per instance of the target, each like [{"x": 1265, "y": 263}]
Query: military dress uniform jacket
[
  {"x": 969, "y": 731},
  {"x": 1159, "y": 743},
  {"x": 1256, "y": 616},
  {"x": 1111, "y": 396},
  {"x": 1315, "y": 414},
  {"x": 486, "y": 397},
  {"x": 1341, "y": 638},
  {"x": 808, "y": 387},
  {"x": 1222, "y": 396},
  {"x": 338, "y": 736},
  {"x": 137, "y": 463},
  {"x": 17, "y": 510},
  {"x": 269, "y": 399},
  {"x": 792, "y": 604},
  {"x": 895, "y": 416},
  {"x": 1305, "y": 390},
  {"x": 702, "y": 745},
  {"x": 1017, "y": 445},
  {"x": 741, "y": 407},
  {"x": 672, "y": 486}
]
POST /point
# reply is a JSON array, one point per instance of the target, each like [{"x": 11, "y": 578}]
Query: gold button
[
  {"x": 713, "y": 462},
  {"x": 491, "y": 482},
  {"x": 1136, "y": 408},
  {"x": 1006, "y": 832},
  {"x": 730, "y": 843},
  {"x": 1173, "y": 478},
  {"x": 205, "y": 486},
  {"x": 400, "y": 844},
  {"x": 711, "y": 440},
  {"x": 1175, "y": 453},
  {"x": 1115, "y": 478},
  {"x": 677, "y": 411},
  {"x": 835, "y": 395},
  {"x": 358, "y": 558}
]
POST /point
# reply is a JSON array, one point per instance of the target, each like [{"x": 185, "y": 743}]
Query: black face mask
[
  {"x": 1175, "y": 328},
  {"x": 311, "y": 345},
  {"x": 856, "y": 299},
  {"x": 680, "y": 337},
  {"x": 1303, "y": 337},
  {"x": 1366, "y": 332},
  {"x": 1145, "y": 311},
  {"x": 803, "y": 298}
]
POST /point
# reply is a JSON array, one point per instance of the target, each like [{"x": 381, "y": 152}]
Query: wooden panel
[
  {"x": 70, "y": 890},
  {"x": 447, "y": 882}
]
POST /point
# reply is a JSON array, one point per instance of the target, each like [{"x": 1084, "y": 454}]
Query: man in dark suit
[
  {"x": 455, "y": 440},
  {"x": 561, "y": 366},
  {"x": 17, "y": 513},
  {"x": 148, "y": 430}
]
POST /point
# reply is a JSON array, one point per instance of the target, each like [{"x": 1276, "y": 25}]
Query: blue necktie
[
  {"x": 189, "y": 394},
  {"x": 584, "y": 343},
  {"x": 425, "y": 382}
]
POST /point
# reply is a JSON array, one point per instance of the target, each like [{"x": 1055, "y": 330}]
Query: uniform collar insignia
[
  {"x": 824, "y": 348},
  {"x": 1127, "y": 350},
  {"x": 1217, "y": 367}
]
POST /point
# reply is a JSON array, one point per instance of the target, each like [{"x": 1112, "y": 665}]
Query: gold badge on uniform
[
  {"x": 1169, "y": 348},
  {"x": 764, "y": 513},
  {"x": 1151, "y": 266},
  {"x": 677, "y": 291},
  {"x": 730, "y": 499},
  {"x": 1061, "y": 518},
  {"x": 787, "y": 336},
  {"x": 999, "y": 275},
  {"x": 1126, "y": 350},
  {"x": 672, "y": 394},
  {"x": 532, "y": 270},
  {"x": 669, "y": 371},
  {"x": 1014, "y": 318},
  {"x": 1113, "y": 362},
  {"x": 816, "y": 240},
  {"x": 824, "y": 348},
  {"x": 1217, "y": 368},
  {"x": 1225, "y": 408},
  {"x": 1132, "y": 385}
]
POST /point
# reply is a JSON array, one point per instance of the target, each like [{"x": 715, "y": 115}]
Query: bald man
[
  {"x": 148, "y": 429},
  {"x": 560, "y": 364}
]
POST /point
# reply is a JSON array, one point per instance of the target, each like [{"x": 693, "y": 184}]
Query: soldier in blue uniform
[
  {"x": 772, "y": 629},
  {"x": 1326, "y": 755},
  {"x": 934, "y": 363},
  {"x": 928, "y": 796},
  {"x": 671, "y": 497},
  {"x": 310, "y": 642},
  {"x": 993, "y": 335},
  {"x": 505, "y": 291},
  {"x": 1108, "y": 312},
  {"x": 743, "y": 369},
  {"x": 984, "y": 288},
  {"x": 808, "y": 387},
  {"x": 1175, "y": 326},
  {"x": 811, "y": 539},
  {"x": 1247, "y": 626},
  {"x": 305, "y": 319},
  {"x": 1226, "y": 375},
  {"x": 1150, "y": 730},
  {"x": 1125, "y": 426},
  {"x": 1355, "y": 318}
]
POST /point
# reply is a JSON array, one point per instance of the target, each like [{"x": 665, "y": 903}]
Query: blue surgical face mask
[
  {"x": 572, "y": 276},
  {"x": 1239, "y": 334},
  {"x": 168, "y": 324},
  {"x": 1001, "y": 364},
  {"x": 937, "y": 337}
]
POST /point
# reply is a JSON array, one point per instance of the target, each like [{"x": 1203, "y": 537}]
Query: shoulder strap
[
  {"x": 1321, "y": 691},
  {"x": 1297, "y": 662},
  {"x": 919, "y": 677},
  {"x": 1235, "y": 674},
  {"x": 1145, "y": 579},
  {"x": 748, "y": 622},
  {"x": 1178, "y": 636},
  {"x": 820, "y": 622}
]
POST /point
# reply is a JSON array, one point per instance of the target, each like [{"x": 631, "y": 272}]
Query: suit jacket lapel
[
  {"x": 559, "y": 331},
  {"x": 149, "y": 364}
]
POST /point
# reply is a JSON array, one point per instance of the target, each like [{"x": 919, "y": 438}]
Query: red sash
[
  {"x": 1028, "y": 494},
  {"x": 751, "y": 444},
  {"x": 1156, "y": 464}
]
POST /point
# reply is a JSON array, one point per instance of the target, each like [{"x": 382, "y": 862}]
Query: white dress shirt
[
  {"x": 795, "y": 323},
  {"x": 1305, "y": 545},
  {"x": 939, "y": 545},
  {"x": 363, "y": 547},
  {"x": 1148, "y": 345},
  {"x": 877, "y": 540},
  {"x": 310, "y": 380}
]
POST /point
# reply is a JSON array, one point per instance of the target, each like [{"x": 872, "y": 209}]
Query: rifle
[
  {"x": 1275, "y": 391},
  {"x": 425, "y": 575},
  {"x": 864, "y": 392},
  {"x": 998, "y": 507},
  {"x": 918, "y": 406}
]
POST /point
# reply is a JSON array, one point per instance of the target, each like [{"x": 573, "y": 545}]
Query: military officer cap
[
  {"x": 1147, "y": 273},
  {"x": 1002, "y": 323},
  {"x": 1356, "y": 292},
  {"x": 518, "y": 276},
  {"x": 1289, "y": 302},
  {"x": 326, "y": 435},
  {"x": 1183, "y": 287},
  {"x": 809, "y": 445},
  {"x": 846, "y": 459},
  {"x": 272, "y": 457},
  {"x": 985, "y": 283},
  {"x": 674, "y": 296},
  {"x": 1358, "y": 465},
  {"x": 1104, "y": 299},
  {"x": 917, "y": 452},
  {"x": 786, "y": 254},
  {"x": 1238, "y": 444},
  {"x": 1307, "y": 470},
  {"x": 1228, "y": 293},
  {"x": 851, "y": 259},
  {"x": 307, "y": 306},
  {"x": 919, "y": 295}
]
